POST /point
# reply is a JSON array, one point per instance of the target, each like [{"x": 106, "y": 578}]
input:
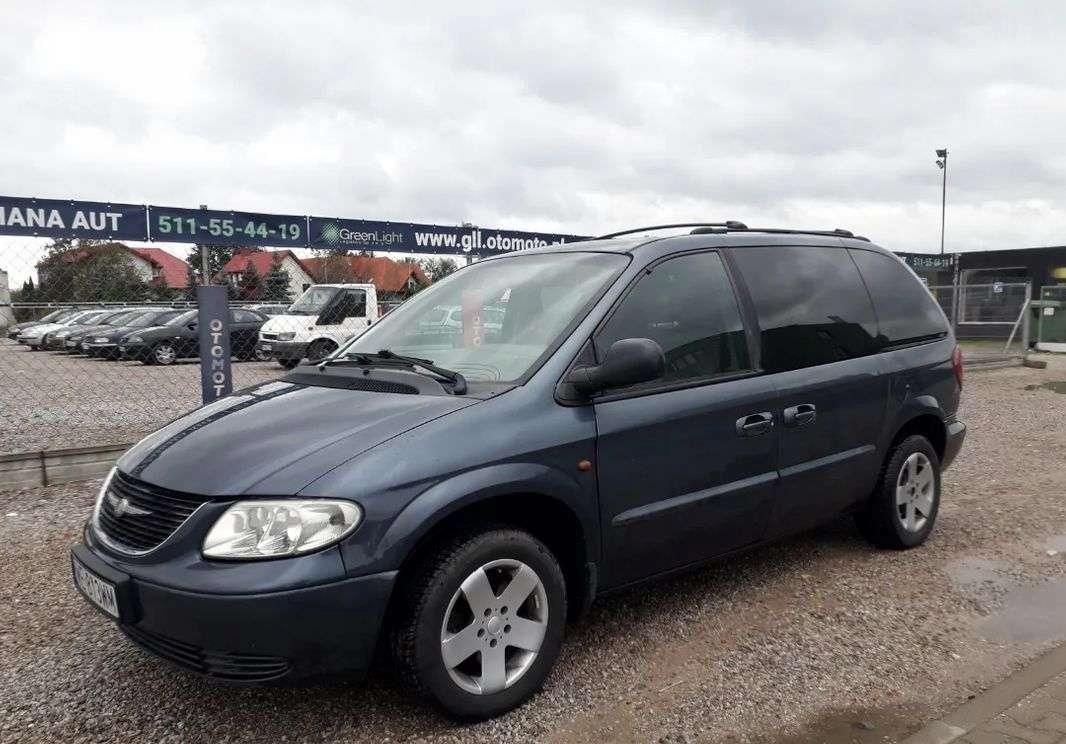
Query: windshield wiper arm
[{"x": 385, "y": 355}]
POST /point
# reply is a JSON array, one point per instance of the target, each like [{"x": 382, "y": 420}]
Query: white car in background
[{"x": 33, "y": 335}]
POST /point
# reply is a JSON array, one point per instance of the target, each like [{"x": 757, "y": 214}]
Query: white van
[{"x": 325, "y": 316}]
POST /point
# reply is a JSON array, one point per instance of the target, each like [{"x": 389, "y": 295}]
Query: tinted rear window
[
  {"x": 906, "y": 312},
  {"x": 811, "y": 305}
]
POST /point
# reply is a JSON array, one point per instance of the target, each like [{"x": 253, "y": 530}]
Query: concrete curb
[
  {"x": 46, "y": 467},
  {"x": 993, "y": 702}
]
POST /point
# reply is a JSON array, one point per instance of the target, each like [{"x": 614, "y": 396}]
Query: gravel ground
[
  {"x": 817, "y": 638},
  {"x": 53, "y": 400}
]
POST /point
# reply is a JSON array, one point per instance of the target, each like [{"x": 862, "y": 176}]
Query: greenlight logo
[{"x": 331, "y": 234}]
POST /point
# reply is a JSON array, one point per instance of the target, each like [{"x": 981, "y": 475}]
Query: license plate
[
  {"x": 101, "y": 593},
  {"x": 265, "y": 347}
]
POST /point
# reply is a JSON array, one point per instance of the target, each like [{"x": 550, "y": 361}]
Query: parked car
[
  {"x": 34, "y": 336},
  {"x": 179, "y": 339},
  {"x": 58, "y": 340},
  {"x": 325, "y": 316},
  {"x": 647, "y": 406},
  {"x": 104, "y": 343},
  {"x": 75, "y": 340},
  {"x": 52, "y": 317}
]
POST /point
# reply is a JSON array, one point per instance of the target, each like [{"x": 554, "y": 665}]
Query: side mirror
[{"x": 629, "y": 361}]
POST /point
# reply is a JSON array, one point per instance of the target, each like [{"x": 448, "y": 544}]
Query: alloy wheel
[
  {"x": 494, "y": 626},
  {"x": 164, "y": 354},
  {"x": 915, "y": 492}
]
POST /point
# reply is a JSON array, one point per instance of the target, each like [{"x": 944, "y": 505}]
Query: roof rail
[
  {"x": 703, "y": 228},
  {"x": 837, "y": 233},
  {"x": 728, "y": 224}
]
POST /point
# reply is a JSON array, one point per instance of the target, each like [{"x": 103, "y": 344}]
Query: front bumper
[
  {"x": 323, "y": 631},
  {"x": 954, "y": 435},
  {"x": 282, "y": 349},
  {"x": 137, "y": 352}
]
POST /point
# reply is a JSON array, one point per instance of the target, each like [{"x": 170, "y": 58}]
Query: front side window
[
  {"x": 687, "y": 306},
  {"x": 507, "y": 313},
  {"x": 811, "y": 304},
  {"x": 906, "y": 312}
]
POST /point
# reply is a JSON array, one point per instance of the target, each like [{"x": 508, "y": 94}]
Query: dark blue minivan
[{"x": 603, "y": 413}]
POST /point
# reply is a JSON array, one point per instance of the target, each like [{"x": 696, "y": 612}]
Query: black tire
[
  {"x": 883, "y": 521},
  {"x": 320, "y": 350},
  {"x": 288, "y": 363},
  {"x": 425, "y": 598}
]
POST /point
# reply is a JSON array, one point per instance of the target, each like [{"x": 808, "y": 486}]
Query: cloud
[{"x": 556, "y": 117}]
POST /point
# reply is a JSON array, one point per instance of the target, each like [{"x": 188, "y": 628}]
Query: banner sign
[
  {"x": 406, "y": 237},
  {"x": 55, "y": 218},
  {"x": 214, "y": 227},
  {"x": 216, "y": 377},
  {"x": 71, "y": 219}
]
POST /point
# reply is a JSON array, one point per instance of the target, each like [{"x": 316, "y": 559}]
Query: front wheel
[
  {"x": 288, "y": 363},
  {"x": 320, "y": 350},
  {"x": 902, "y": 511},
  {"x": 480, "y": 623}
]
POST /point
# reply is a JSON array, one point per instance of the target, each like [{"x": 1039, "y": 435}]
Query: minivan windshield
[
  {"x": 507, "y": 314},
  {"x": 312, "y": 301}
]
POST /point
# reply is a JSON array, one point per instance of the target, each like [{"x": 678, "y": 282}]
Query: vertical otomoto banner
[{"x": 216, "y": 378}]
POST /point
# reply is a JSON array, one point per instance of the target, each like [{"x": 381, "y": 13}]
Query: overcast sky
[{"x": 552, "y": 117}]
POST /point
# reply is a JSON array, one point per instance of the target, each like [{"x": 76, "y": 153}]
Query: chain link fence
[
  {"x": 100, "y": 342},
  {"x": 989, "y": 317}
]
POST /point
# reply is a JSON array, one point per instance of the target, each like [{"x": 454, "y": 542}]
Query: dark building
[{"x": 983, "y": 291}]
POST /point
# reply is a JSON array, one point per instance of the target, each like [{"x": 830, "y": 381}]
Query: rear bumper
[
  {"x": 325, "y": 631},
  {"x": 955, "y": 434}
]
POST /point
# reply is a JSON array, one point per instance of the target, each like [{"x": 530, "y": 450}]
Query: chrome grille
[{"x": 136, "y": 516}]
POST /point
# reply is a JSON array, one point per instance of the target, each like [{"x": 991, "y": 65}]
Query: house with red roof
[
  {"x": 262, "y": 262},
  {"x": 394, "y": 280},
  {"x": 154, "y": 265}
]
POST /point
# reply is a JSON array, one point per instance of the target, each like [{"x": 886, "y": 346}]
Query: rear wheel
[
  {"x": 903, "y": 509},
  {"x": 480, "y": 624},
  {"x": 163, "y": 353}
]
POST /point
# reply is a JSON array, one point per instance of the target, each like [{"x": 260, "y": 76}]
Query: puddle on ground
[
  {"x": 856, "y": 726},
  {"x": 1055, "y": 386},
  {"x": 1032, "y": 614},
  {"x": 981, "y": 579}
]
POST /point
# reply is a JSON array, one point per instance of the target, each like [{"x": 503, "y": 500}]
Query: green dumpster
[{"x": 1049, "y": 319}]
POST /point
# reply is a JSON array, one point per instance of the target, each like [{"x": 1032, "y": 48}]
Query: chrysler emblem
[{"x": 122, "y": 507}]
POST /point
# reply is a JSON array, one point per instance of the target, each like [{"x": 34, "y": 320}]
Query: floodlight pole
[{"x": 943, "y": 163}]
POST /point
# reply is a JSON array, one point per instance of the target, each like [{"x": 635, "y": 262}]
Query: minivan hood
[{"x": 275, "y": 438}]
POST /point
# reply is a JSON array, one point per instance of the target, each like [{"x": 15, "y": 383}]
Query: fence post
[
  {"x": 7, "y": 313},
  {"x": 216, "y": 375}
]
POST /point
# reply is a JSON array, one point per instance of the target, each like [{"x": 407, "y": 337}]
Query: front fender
[{"x": 465, "y": 489}]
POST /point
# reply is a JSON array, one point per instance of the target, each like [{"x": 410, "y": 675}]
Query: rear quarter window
[{"x": 906, "y": 312}]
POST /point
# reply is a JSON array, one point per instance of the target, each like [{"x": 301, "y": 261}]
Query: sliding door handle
[{"x": 801, "y": 415}]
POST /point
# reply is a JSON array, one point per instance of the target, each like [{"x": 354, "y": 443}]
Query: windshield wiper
[{"x": 388, "y": 357}]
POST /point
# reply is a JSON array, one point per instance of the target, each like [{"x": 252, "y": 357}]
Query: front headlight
[
  {"x": 286, "y": 336},
  {"x": 271, "y": 529},
  {"x": 133, "y": 339},
  {"x": 100, "y": 340},
  {"x": 62, "y": 334}
]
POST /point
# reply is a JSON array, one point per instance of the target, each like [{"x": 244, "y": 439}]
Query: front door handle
[
  {"x": 801, "y": 415},
  {"x": 755, "y": 424}
]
